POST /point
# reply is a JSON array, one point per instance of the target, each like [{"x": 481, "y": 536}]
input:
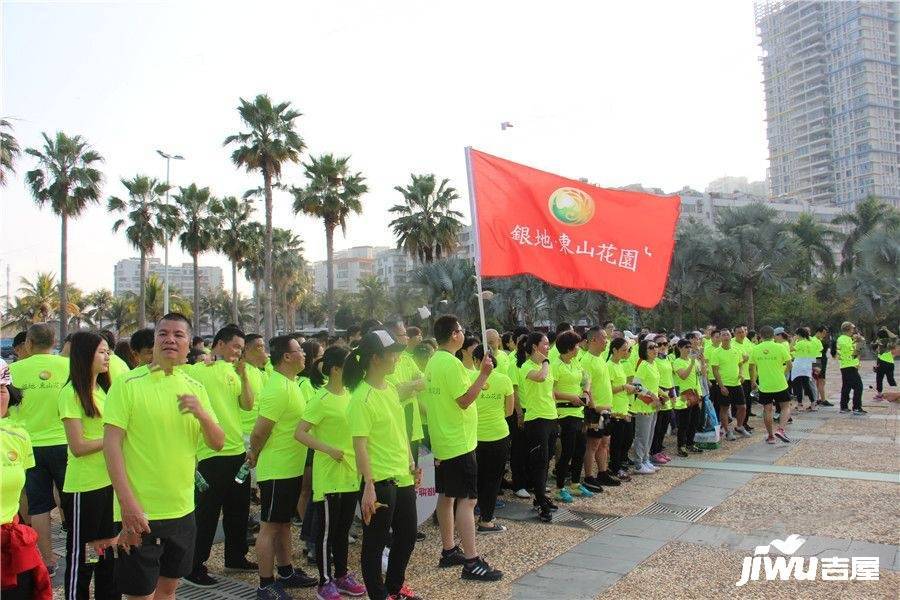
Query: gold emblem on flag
[{"x": 571, "y": 206}]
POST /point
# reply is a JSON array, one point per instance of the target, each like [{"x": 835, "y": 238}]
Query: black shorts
[
  {"x": 167, "y": 551},
  {"x": 735, "y": 396},
  {"x": 457, "y": 477},
  {"x": 49, "y": 468},
  {"x": 278, "y": 499},
  {"x": 90, "y": 514},
  {"x": 596, "y": 424},
  {"x": 774, "y": 397}
]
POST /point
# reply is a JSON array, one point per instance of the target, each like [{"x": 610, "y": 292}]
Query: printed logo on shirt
[{"x": 45, "y": 375}]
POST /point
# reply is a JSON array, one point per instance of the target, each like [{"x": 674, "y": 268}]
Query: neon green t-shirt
[
  {"x": 817, "y": 346},
  {"x": 664, "y": 367},
  {"x": 806, "y": 349},
  {"x": 553, "y": 354},
  {"x": 491, "y": 403},
  {"x": 501, "y": 361},
  {"x": 512, "y": 370},
  {"x": 887, "y": 356},
  {"x": 257, "y": 379},
  {"x": 629, "y": 364},
  {"x": 223, "y": 386},
  {"x": 617, "y": 378},
  {"x": 691, "y": 382},
  {"x": 328, "y": 413},
  {"x": 282, "y": 402},
  {"x": 597, "y": 371},
  {"x": 729, "y": 363},
  {"x": 40, "y": 377},
  {"x": 84, "y": 473},
  {"x": 17, "y": 457},
  {"x": 647, "y": 374},
  {"x": 536, "y": 397},
  {"x": 117, "y": 367},
  {"x": 376, "y": 415},
  {"x": 846, "y": 351},
  {"x": 406, "y": 370},
  {"x": 161, "y": 443},
  {"x": 745, "y": 347},
  {"x": 453, "y": 430},
  {"x": 709, "y": 352},
  {"x": 770, "y": 359},
  {"x": 567, "y": 379}
]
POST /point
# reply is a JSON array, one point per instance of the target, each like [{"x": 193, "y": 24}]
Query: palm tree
[
  {"x": 331, "y": 195},
  {"x": 372, "y": 296},
  {"x": 289, "y": 273},
  {"x": 40, "y": 298},
  {"x": 426, "y": 227},
  {"x": 270, "y": 142},
  {"x": 147, "y": 222},
  {"x": 866, "y": 216},
  {"x": 234, "y": 215},
  {"x": 198, "y": 233},
  {"x": 9, "y": 151},
  {"x": 253, "y": 263},
  {"x": 121, "y": 314},
  {"x": 449, "y": 287},
  {"x": 874, "y": 283},
  {"x": 67, "y": 180},
  {"x": 814, "y": 239},
  {"x": 99, "y": 301},
  {"x": 154, "y": 293},
  {"x": 692, "y": 275}
]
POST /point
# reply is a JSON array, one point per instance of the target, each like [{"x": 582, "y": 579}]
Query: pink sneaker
[
  {"x": 666, "y": 457},
  {"x": 350, "y": 586},
  {"x": 328, "y": 591},
  {"x": 658, "y": 459},
  {"x": 770, "y": 439}
]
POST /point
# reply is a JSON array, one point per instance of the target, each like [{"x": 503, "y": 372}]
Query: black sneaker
[
  {"x": 488, "y": 529},
  {"x": 550, "y": 506},
  {"x": 545, "y": 516},
  {"x": 420, "y": 535},
  {"x": 272, "y": 592},
  {"x": 846, "y": 411},
  {"x": 606, "y": 479},
  {"x": 695, "y": 449},
  {"x": 825, "y": 403},
  {"x": 591, "y": 484},
  {"x": 244, "y": 566},
  {"x": 682, "y": 451},
  {"x": 452, "y": 558},
  {"x": 201, "y": 579},
  {"x": 297, "y": 579},
  {"x": 860, "y": 412},
  {"x": 479, "y": 570}
]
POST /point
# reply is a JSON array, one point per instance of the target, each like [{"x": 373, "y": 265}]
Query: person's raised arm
[
  {"x": 246, "y": 399},
  {"x": 685, "y": 372},
  {"x": 471, "y": 394},
  {"x": 213, "y": 435},
  {"x": 541, "y": 374}
]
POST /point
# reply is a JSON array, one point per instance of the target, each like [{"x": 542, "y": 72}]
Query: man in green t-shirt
[
  {"x": 155, "y": 423},
  {"x": 727, "y": 361},
  {"x": 40, "y": 377},
  {"x": 279, "y": 460},
  {"x": 141, "y": 343},
  {"x": 596, "y": 415},
  {"x": 848, "y": 345},
  {"x": 449, "y": 398},
  {"x": 770, "y": 362},
  {"x": 742, "y": 341},
  {"x": 230, "y": 394}
]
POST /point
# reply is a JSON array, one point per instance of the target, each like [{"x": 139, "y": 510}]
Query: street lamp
[{"x": 169, "y": 158}]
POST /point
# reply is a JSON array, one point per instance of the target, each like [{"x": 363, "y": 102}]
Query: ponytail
[
  {"x": 334, "y": 357},
  {"x": 615, "y": 345},
  {"x": 526, "y": 345}
]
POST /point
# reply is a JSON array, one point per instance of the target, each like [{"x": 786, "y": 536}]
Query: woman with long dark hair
[
  {"x": 686, "y": 375},
  {"x": 571, "y": 391},
  {"x": 644, "y": 405},
  {"x": 536, "y": 398},
  {"x": 464, "y": 354},
  {"x": 385, "y": 463},
  {"x": 667, "y": 391},
  {"x": 335, "y": 487},
  {"x": 804, "y": 353},
  {"x": 88, "y": 493},
  {"x": 621, "y": 425}
]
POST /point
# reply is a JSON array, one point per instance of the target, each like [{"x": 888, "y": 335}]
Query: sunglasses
[{"x": 651, "y": 346}]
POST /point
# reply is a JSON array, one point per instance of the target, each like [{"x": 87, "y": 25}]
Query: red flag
[{"x": 572, "y": 234}]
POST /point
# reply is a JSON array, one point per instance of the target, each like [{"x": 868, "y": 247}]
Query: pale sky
[{"x": 663, "y": 93}]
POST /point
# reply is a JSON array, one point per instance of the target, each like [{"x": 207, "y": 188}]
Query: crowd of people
[{"x": 145, "y": 445}]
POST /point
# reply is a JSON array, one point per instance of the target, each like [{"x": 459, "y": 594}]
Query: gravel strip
[
  {"x": 840, "y": 508},
  {"x": 633, "y": 496},
  {"x": 881, "y": 457},
  {"x": 685, "y": 571}
]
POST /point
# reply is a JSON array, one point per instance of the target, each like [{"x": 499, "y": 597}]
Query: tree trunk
[
  {"x": 64, "y": 280},
  {"x": 256, "y": 307},
  {"x": 267, "y": 251},
  {"x": 142, "y": 303},
  {"x": 329, "y": 268},
  {"x": 234, "y": 295},
  {"x": 751, "y": 307},
  {"x": 196, "y": 295},
  {"x": 429, "y": 258}
]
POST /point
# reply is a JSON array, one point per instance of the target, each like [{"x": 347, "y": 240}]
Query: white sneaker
[
  {"x": 742, "y": 431},
  {"x": 730, "y": 436},
  {"x": 522, "y": 493},
  {"x": 651, "y": 466},
  {"x": 645, "y": 469}
]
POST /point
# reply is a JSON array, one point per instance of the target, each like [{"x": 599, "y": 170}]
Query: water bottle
[
  {"x": 199, "y": 482},
  {"x": 241, "y": 475}
]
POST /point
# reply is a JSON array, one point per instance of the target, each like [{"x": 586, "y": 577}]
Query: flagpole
[{"x": 473, "y": 210}]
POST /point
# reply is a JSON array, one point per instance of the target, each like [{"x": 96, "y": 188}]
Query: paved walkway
[{"x": 591, "y": 567}]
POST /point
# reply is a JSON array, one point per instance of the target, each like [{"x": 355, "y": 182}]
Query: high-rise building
[
  {"x": 350, "y": 266},
  {"x": 830, "y": 71},
  {"x": 393, "y": 267},
  {"x": 127, "y": 272}
]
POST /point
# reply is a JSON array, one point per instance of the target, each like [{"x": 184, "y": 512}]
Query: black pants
[
  {"x": 851, "y": 381},
  {"x": 335, "y": 516},
  {"x": 90, "y": 515},
  {"x": 399, "y": 517},
  {"x": 884, "y": 370},
  {"x": 491, "y": 458},
  {"x": 688, "y": 424},
  {"x": 621, "y": 434},
  {"x": 225, "y": 497},
  {"x": 24, "y": 589},
  {"x": 714, "y": 395},
  {"x": 748, "y": 400},
  {"x": 518, "y": 453},
  {"x": 802, "y": 383},
  {"x": 571, "y": 457},
  {"x": 663, "y": 420},
  {"x": 539, "y": 433}
]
